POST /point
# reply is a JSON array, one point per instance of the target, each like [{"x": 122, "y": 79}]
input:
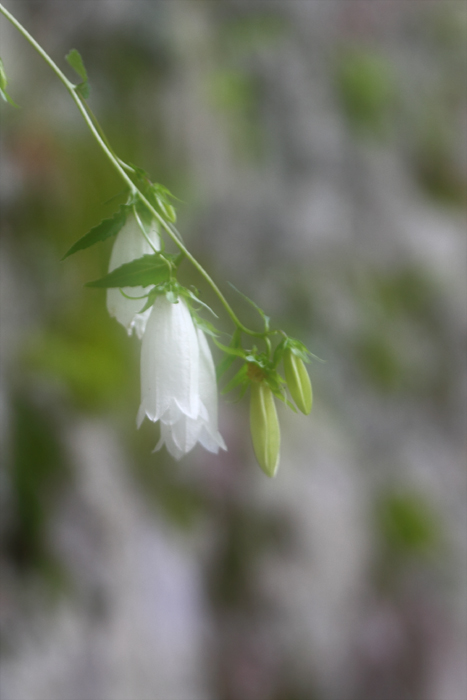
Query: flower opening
[{"x": 178, "y": 382}]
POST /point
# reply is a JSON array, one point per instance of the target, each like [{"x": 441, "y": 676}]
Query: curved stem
[{"x": 98, "y": 134}]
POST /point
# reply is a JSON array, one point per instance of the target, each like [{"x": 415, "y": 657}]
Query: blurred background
[{"x": 319, "y": 150}]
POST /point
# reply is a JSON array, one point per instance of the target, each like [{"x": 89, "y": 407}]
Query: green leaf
[
  {"x": 144, "y": 216},
  {"x": 278, "y": 394},
  {"x": 240, "y": 378},
  {"x": 106, "y": 229},
  {"x": 265, "y": 318},
  {"x": 145, "y": 271},
  {"x": 188, "y": 293},
  {"x": 5, "y": 96},
  {"x": 3, "y": 83},
  {"x": 228, "y": 361},
  {"x": 223, "y": 366},
  {"x": 3, "y": 78},
  {"x": 75, "y": 61},
  {"x": 230, "y": 351},
  {"x": 204, "y": 325},
  {"x": 279, "y": 352},
  {"x": 300, "y": 350},
  {"x": 83, "y": 90},
  {"x": 142, "y": 174}
]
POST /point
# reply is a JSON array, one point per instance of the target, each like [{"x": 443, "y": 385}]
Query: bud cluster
[{"x": 260, "y": 375}]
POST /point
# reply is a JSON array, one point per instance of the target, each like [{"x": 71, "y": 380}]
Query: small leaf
[
  {"x": 5, "y": 96},
  {"x": 83, "y": 90},
  {"x": 230, "y": 351},
  {"x": 153, "y": 294},
  {"x": 284, "y": 399},
  {"x": 145, "y": 271},
  {"x": 279, "y": 352},
  {"x": 300, "y": 350},
  {"x": 75, "y": 61},
  {"x": 193, "y": 296},
  {"x": 106, "y": 229},
  {"x": 237, "y": 379},
  {"x": 142, "y": 174},
  {"x": 265, "y": 318},
  {"x": 3, "y": 78},
  {"x": 204, "y": 325},
  {"x": 223, "y": 366},
  {"x": 3, "y": 83}
]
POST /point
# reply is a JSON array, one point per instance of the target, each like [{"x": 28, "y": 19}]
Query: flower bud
[
  {"x": 264, "y": 426},
  {"x": 298, "y": 381}
]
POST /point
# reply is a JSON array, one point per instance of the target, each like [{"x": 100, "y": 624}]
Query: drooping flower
[
  {"x": 178, "y": 382},
  {"x": 129, "y": 245}
]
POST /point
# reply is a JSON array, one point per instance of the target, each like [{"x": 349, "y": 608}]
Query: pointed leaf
[
  {"x": 106, "y": 229},
  {"x": 204, "y": 325},
  {"x": 223, "y": 366},
  {"x": 231, "y": 351},
  {"x": 265, "y": 318},
  {"x": 3, "y": 83},
  {"x": 284, "y": 399},
  {"x": 75, "y": 61},
  {"x": 5, "y": 96},
  {"x": 145, "y": 271},
  {"x": 3, "y": 78},
  {"x": 193, "y": 296},
  {"x": 228, "y": 361},
  {"x": 237, "y": 379},
  {"x": 83, "y": 90},
  {"x": 279, "y": 352}
]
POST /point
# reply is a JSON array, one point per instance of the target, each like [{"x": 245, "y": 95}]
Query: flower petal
[
  {"x": 208, "y": 396},
  {"x": 170, "y": 363},
  {"x": 129, "y": 245}
]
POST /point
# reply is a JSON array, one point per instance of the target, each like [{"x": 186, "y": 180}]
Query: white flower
[
  {"x": 129, "y": 245},
  {"x": 178, "y": 381}
]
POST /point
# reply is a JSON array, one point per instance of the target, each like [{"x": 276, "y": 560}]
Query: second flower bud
[{"x": 298, "y": 381}]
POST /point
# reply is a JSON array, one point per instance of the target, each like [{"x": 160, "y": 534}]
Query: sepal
[{"x": 3, "y": 83}]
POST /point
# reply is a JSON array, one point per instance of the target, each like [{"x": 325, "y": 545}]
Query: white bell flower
[
  {"x": 129, "y": 245},
  {"x": 178, "y": 381}
]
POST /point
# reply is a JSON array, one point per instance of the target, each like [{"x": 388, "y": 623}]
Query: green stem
[{"x": 98, "y": 134}]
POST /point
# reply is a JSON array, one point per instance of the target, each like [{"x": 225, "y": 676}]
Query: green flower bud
[
  {"x": 298, "y": 381},
  {"x": 264, "y": 426}
]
